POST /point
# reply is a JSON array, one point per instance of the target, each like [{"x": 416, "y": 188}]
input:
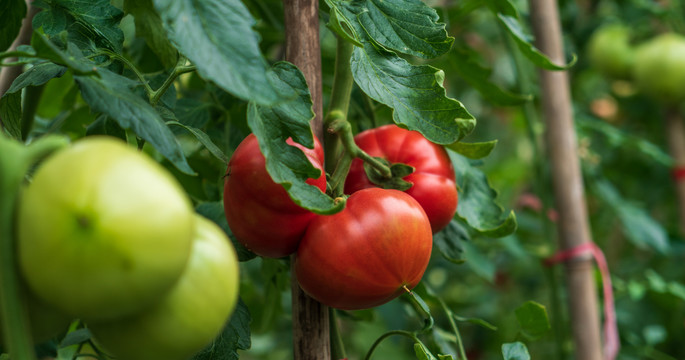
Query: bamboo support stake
[
  {"x": 561, "y": 142},
  {"x": 675, "y": 133},
  {"x": 311, "y": 338}
]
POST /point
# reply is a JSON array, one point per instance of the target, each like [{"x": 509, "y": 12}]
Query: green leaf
[
  {"x": 423, "y": 310},
  {"x": 398, "y": 171},
  {"x": 103, "y": 125},
  {"x": 476, "y": 321},
  {"x": 204, "y": 140},
  {"x": 415, "y": 93},
  {"x": 532, "y": 317},
  {"x": 215, "y": 211},
  {"x": 523, "y": 42},
  {"x": 466, "y": 64},
  {"x": 502, "y": 6},
  {"x": 638, "y": 226},
  {"x": 341, "y": 25},
  {"x": 90, "y": 24},
  {"x": 72, "y": 57},
  {"x": 13, "y": 12},
  {"x": 235, "y": 336},
  {"x": 218, "y": 37},
  {"x": 450, "y": 242},
  {"x": 111, "y": 94},
  {"x": 273, "y": 125},
  {"x": 479, "y": 262},
  {"x": 37, "y": 75},
  {"x": 406, "y": 26},
  {"x": 473, "y": 150},
  {"x": 10, "y": 113},
  {"x": 624, "y": 141},
  {"x": 149, "y": 26},
  {"x": 477, "y": 201},
  {"x": 515, "y": 351},
  {"x": 422, "y": 353}
]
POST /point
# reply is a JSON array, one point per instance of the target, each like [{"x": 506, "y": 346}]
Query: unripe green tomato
[
  {"x": 659, "y": 70},
  {"x": 191, "y": 315},
  {"x": 103, "y": 230},
  {"x": 610, "y": 51}
]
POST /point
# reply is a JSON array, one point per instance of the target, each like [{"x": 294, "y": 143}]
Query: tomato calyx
[{"x": 397, "y": 173}]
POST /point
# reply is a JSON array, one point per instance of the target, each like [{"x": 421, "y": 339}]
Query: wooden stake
[
  {"x": 569, "y": 193},
  {"x": 311, "y": 339},
  {"x": 675, "y": 133}
]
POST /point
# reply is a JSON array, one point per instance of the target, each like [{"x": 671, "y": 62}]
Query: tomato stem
[
  {"x": 15, "y": 161},
  {"x": 337, "y": 344},
  {"x": 387, "y": 335}
]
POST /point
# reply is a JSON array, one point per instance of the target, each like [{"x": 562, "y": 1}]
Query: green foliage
[
  {"x": 533, "y": 319},
  {"x": 234, "y": 337},
  {"x": 515, "y": 351},
  {"x": 13, "y": 12}
]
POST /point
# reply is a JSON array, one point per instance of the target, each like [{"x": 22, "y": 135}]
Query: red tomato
[
  {"x": 259, "y": 211},
  {"x": 364, "y": 255},
  {"x": 434, "y": 185}
]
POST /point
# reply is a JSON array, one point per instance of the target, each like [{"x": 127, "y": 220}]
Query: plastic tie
[{"x": 611, "y": 340}]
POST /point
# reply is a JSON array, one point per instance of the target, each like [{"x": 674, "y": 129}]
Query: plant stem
[
  {"x": 337, "y": 345},
  {"x": 339, "y": 104},
  {"x": 32, "y": 96},
  {"x": 455, "y": 329},
  {"x": 15, "y": 161},
  {"x": 387, "y": 335},
  {"x": 133, "y": 68},
  {"x": 180, "y": 69}
]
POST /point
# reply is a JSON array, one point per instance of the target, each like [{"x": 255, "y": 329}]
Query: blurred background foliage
[{"x": 626, "y": 166}]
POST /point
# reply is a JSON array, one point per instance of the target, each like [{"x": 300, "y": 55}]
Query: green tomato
[
  {"x": 103, "y": 230},
  {"x": 610, "y": 51},
  {"x": 191, "y": 315},
  {"x": 660, "y": 68}
]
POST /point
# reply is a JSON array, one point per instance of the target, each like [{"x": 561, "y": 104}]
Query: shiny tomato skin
[
  {"x": 260, "y": 213},
  {"x": 434, "y": 185},
  {"x": 366, "y": 254}
]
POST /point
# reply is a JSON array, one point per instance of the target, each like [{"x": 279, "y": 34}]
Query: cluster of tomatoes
[
  {"x": 106, "y": 235},
  {"x": 373, "y": 250},
  {"x": 656, "y": 65}
]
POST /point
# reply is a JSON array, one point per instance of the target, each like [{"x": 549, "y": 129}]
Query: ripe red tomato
[
  {"x": 364, "y": 255},
  {"x": 259, "y": 211},
  {"x": 433, "y": 180}
]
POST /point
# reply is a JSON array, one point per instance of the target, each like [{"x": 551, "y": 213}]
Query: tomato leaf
[
  {"x": 450, "y": 242},
  {"x": 215, "y": 211},
  {"x": 638, "y": 226},
  {"x": 476, "y": 321},
  {"x": 515, "y": 351},
  {"x": 37, "y": 75},
  {"x": 89, "y": 24},
  {"x": 422, "y": 352},
  {"x": 406, "y": 26},
  {"x": 398, "y": 171},
  {"x": 111, "y": 94},
  {"x": 464, "y": 61},
  {"x": 218, "y": 37},
  {"x": 72, "y": 57},
  {"x": 479, "y": 262},
  {"x": 13, "y": 12},
  {"x": 10, "y": 113},
  {"x": 473, "y": 150},
  {"x": 532, "y": 317},
  {"x": 523, "y": 43},
  {"x": 235, "y": 336},
  {"x": 415, "y": 93},
  {"x": 477, "y": 205},
  {"x": 149, "y": 26},
  {"x": 272, "y": 125},
  {"x": 204, "y": 140},
  {"x": 103, "y": 125}
]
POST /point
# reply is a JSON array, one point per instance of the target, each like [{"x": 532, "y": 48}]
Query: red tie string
[
  {"x": 679, "y": 173},
  {"x": 611, "y": 341}
]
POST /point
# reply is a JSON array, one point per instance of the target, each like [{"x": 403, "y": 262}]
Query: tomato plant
[
  {"x": 105, "y": 212},
  {"x": 432, "y": 181},
  {"x": 259, "y": 211},
  {"x": 191, "y": 314}
]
